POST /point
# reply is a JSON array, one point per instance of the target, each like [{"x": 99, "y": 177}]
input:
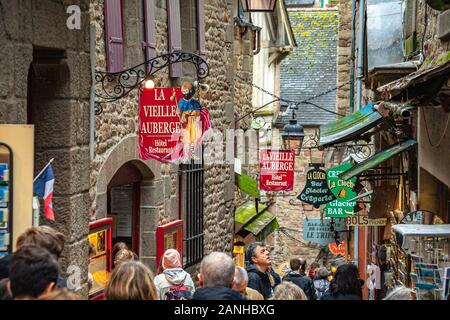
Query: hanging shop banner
[
  {"x": 172, "y": 123},
  {"x": 365, "y": 221},
  {"x": 316, "y": 191},
  {"x": 319, "y": 231},
  {"x": 343, "y": 190},
  {"x": 276, "y": 170}
]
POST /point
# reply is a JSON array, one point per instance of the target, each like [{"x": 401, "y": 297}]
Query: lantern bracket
[{"x": 113, "y": 86}]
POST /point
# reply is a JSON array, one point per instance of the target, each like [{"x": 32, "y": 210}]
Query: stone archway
[{"x": 151, "y": 193}]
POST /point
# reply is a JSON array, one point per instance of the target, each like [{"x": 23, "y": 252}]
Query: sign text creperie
[{"x": 365, "y": 221}]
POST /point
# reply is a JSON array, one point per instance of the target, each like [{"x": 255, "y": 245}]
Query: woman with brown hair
[{"x": 131, "y": 280}]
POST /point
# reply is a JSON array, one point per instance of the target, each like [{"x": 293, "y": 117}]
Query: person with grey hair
[
  {"x": 240, "y": 283},
  {"x": 401, "y": 293},
  {"x": 261, "y": 277},
  {"x": 216, "y": 278}
]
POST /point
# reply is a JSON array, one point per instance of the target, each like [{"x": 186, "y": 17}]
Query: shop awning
[
  {"x": 263, "y": 225},
  {"x": 350, "y": 126},
  {"x": 247, "y": 212},
  {"x": 419, "y": 230},
  {"x": 247, "y": 185},
  {"x": 425, "y": 74},
  {"x": 378, "y": 158},
  {"x": 423, "y": 230},
  {"x": 260, "y": 224}
]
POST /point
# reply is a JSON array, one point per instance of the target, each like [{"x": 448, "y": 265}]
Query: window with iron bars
[{"x": 191, "y": 198}]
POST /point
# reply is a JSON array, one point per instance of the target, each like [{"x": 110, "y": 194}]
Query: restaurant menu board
[
  {"x": 99, "y": 257},
  {"x": 169, "y": 236},
  {"x": 122, "y": 209}
]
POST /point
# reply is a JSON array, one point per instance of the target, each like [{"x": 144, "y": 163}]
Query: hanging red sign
[
  {"x": 159, "y": 124},
  {"x": 172, "y": 123},
  {"x": 276, "y": 170}
]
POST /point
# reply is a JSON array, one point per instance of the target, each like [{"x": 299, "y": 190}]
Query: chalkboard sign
[{"x": 316, "y": 191}]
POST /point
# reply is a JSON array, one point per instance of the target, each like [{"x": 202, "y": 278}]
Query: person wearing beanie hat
[{"x": 173, "y": 283}]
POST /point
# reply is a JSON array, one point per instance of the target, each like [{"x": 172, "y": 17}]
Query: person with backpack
[
  {"x": 299, "y": 278},
  {"x": 173, "y": 283},
  {"x": 321, "y": 282}
]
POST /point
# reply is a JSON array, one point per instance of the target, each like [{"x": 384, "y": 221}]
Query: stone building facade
[
  {"x": 45, "y": 81},
  {"x": 227, "y": 54}
]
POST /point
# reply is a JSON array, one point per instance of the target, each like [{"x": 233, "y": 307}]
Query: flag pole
[{"x": 42, "y": 171}]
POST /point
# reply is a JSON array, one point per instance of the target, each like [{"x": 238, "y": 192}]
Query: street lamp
[
  {"x": 258, "y": 5},
  {"x": 293, "y": 135}
]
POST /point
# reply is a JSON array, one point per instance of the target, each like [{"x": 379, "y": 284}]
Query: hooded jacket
[
  {"x": 304, "y": 282},
  {"x": 216, "y": 293},
  {"x": 171, "y": 277},
  {"x": 259, "y": 281}
]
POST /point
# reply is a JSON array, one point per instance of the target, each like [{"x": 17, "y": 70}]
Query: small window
[{"x": 384, "y": 32}]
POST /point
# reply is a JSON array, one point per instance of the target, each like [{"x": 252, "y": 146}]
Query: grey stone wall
[
  {"x": 427, "y": 31},
  {"x": 344, "y": 55},
  {"x": 59, "y": 103}
]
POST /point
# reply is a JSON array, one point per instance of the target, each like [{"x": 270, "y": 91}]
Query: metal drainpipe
[
  {"x": 360, "y": 54},
  {"x": 352, "y": 61},
  {"x": 92, "y": 97},
  {"x": 358, "y": 100}
]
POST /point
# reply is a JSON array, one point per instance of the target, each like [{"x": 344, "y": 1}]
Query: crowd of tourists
[{"x": 33, "y": 272}]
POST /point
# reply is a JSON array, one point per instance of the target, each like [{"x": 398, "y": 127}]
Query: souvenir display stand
[
  {"x": 6, "y": 202},
  {"x": 100, "y": 257},
  {"x": 426, "y": 250}
]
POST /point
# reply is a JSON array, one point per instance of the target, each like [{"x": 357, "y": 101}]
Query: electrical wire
[
  {"x": 428, "y": 133},
  {"x": 306, "y": 101}
]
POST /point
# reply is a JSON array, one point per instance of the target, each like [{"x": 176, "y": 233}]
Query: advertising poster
[
  {"x": 276, "y": 170},
  {"x": 343, "y": 191},
  {"x": 169, "y": 236}
]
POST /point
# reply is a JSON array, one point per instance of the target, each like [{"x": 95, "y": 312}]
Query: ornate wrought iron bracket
[{"x": 114, "y": 86}]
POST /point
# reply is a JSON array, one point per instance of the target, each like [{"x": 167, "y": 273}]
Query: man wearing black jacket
[
  {"x": 260, "y": 275},
  {"x": 216, "y": 278},
  {"x": 298, "y": 277}
]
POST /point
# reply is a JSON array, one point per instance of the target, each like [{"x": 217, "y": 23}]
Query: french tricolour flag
[{"x": 43, "y": 188}]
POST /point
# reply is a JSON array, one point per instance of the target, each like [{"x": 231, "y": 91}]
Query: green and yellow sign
[{"x": 343, "y": 190}]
